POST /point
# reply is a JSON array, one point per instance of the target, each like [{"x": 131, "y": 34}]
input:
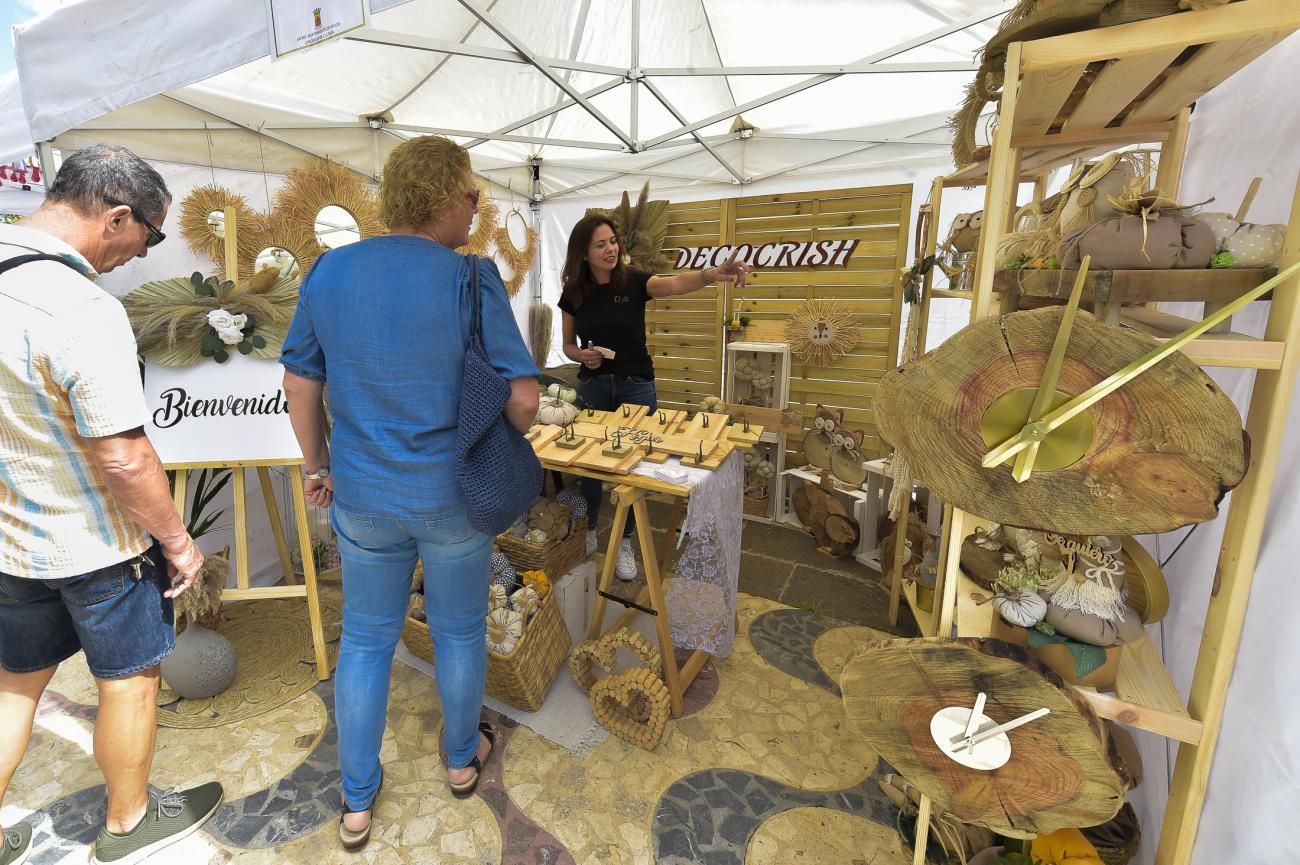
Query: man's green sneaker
[
  {"x": 16, "y": 844},
  {"x": 169, "y": 818}
]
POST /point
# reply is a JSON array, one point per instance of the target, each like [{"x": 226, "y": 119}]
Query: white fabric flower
[{"x": 230, "y": 328}]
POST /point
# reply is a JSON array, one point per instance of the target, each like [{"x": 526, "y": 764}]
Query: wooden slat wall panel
[
  {"x": 877, "y": 219},
  {"x": 685, "y": 333}
]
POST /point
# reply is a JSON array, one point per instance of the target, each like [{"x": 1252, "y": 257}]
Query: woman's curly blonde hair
[{"x": 423, "y": 178}]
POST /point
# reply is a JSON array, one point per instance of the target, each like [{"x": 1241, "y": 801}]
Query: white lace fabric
[{"x": 701, "y": 598}]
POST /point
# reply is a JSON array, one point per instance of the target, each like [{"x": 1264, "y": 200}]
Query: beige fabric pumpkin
[
  {"x": 504, "y": 628},
  {"x": 1254, "y": 245},
  {"x": 555, "y": 411},
  {"x": 1132, "y": 243},
  {"x": 496, "y": 597},
  {"x": 525, "y": 601}
]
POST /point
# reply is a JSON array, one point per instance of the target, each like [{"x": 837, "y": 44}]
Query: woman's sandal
[
  {"x": 354, "y": 841},
  {"x": 465, "y": 789}
]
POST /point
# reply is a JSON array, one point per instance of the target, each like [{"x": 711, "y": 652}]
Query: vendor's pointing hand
[{"x": 732, "y": 270}]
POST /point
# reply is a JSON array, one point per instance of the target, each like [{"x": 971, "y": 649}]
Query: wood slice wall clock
[
  {"x": 913, "y": 702},
  {"x": 1156, "y": 454}
]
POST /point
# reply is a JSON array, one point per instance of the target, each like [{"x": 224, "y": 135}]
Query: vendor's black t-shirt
[{"x": 615, "y": 320}]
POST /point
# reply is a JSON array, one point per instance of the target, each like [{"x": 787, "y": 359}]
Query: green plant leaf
[
  {"x": 221, "y": 356},
  {"x": 1086, "y": 658},
  {"x": 244, "y": 347},
  {"x": 207, "y": 352},
  {"x": 250, "y": 324},
  {"x": 196, "y": 279},
  {"x": 211, "y": 342},
  {"x": 204, "y": 290},
  {"x": 227, "y": 285},
  {"x": 258, "y": 342}
]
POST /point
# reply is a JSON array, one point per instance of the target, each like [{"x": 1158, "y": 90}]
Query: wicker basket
[
  {"x": 1117, "y": 842},
  {"x": 557, "y": 558},
  {"x": 756, "y": 507},
  {"x": 523, "y": 677}
]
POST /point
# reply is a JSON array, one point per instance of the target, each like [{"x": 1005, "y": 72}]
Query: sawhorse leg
[{"x": 678, "y": 679}]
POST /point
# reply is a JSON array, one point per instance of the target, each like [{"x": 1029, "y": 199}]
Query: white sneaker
[
  {"x": 591, "y": 542},
  {"x": 625, "y": 568}
]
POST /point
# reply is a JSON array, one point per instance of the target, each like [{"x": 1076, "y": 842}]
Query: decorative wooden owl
[
  {"x": 820, "y": 440},
  {"x": 964, "y": 235}
]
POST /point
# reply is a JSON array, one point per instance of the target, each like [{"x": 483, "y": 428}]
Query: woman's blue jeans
[
  {"x": 606, "y": 393},
  {"x": 379, "y": 555}
]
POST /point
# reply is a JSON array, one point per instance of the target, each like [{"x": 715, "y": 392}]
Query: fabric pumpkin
[
  {"x": 1064, "y": 847},
  {"x": 504, "y": 629},
  {"x": 537, "y": 581},
  {"x": 555, "y": 411},
  {"x": 537, "y": 536},
  {"x": 1094, "y": 630},
  {"x": 1134, "y": 243},
  {"x": 1021, "y": 607},
  {"x": 1221, "y": 225},
  {"x": 496, "y": 596},
  {"x": 1255, "y": 245},
  {"x": 525, "y": 601}
]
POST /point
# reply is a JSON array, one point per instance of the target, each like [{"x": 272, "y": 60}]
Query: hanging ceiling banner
[{"x": 299, "y": 24}]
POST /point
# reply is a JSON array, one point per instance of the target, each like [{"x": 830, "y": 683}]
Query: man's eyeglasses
[{"x": 155, "y": 236}]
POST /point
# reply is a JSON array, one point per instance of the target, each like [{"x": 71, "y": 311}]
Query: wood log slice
[
  {"x": 1164, "y": 449},
  {"x": 817, "y": 449},
  {"x": 1063, "y": 771},
  {"x": 849, "y": 467},
  {"x": 801, "y": 501},
  {"x": 843, "y": 534}
]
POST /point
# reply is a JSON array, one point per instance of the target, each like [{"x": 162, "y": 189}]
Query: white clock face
[{"x": 821, "y": 332}]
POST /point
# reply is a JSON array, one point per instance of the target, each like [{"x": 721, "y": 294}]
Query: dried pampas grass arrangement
[
  {"x": 201, "y": 602},
  {"x": 540, "y": 322}
]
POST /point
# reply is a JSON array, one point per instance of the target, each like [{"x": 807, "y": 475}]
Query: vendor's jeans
[
  {"x": 606, "y": 393},
  {"x": 378, "y": 555}
]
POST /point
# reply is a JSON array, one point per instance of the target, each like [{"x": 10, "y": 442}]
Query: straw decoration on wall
[
  {"x": 642, "y": 230},
  {"x": 520, "y": 261},
  {"x": 313, "y": 187},
  {"x": 820, "y": 331},
  {"x": 203, "y": 230},
  {"x": 178, "y": 322}
]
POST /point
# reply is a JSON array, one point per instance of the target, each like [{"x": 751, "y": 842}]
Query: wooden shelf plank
[
  {"x": 1136, "y": 286},
  {"x": 1219, "y": 349},
  {"x": 1044, "y": 93},
  {"x": 1115, "y": 87},
  {"x": 956, "y": 295},
  {"x": 1208, "y": 68},
  {"x": 924, "y": 618}
]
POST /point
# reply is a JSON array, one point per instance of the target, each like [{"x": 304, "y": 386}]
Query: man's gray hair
[{"x": 104, "y": 175}]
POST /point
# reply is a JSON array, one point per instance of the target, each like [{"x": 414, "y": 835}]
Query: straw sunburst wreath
[
  {"x": 485, "y": 224},
  {"x": 199, "y": 233},
  {"x": 308, "y": 190},
  {"x": 820, "y": 331}
]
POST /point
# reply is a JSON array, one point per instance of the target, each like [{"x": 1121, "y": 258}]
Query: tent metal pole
[
  {"x": 544, "y": 113},
  {"x": 699, "y": 138},
  {"x": 634, "y": 73},
  {"x": 855, "y": 68},
  {"x": 271, "y": 135},
  {"x": 446, "y": 46},
  {"x": 45, "y": 151},
  {"x": 535, "y": 208},
  {"x": 800, "y": 86},
  {"x": 575, "y": 45},
  {"x": 522, "y": 139},
  {"x": 549, "y": 71}
]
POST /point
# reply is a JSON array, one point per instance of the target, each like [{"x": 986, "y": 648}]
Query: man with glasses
[{"x": 91, "y": 548}]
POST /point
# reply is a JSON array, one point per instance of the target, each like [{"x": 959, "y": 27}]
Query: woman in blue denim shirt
[
  {"x": 385, "y": 322},
  {"x": 603, "y": 302}
]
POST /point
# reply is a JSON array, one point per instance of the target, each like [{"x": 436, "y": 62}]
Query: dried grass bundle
[
  {"x": 308, "y": 190},
  {"x": 202, "y": 601},
  {"x": 170, "y": 319},
  {"x": 520, "y": 261},
  {"x": 540, "y": 321}
]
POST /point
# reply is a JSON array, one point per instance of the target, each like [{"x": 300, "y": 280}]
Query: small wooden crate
[
  {"x": 554, "y": 557},
  {"x": 523, "y": 677}
]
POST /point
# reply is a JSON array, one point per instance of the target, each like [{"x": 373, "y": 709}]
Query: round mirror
[
  {"x": 336, "y": 227},
  {"x": 281, "y": 259},
  {"x": 217, "y": 223}
]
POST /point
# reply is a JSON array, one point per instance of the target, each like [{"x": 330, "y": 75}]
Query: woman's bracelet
[{"x": 705, "y": 278}]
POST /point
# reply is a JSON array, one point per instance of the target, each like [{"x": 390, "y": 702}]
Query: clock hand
[
  {"x": 1047, "y": 387},
  {"x": 1039, "y": 430},
  {"x": 988, "y": 732}
]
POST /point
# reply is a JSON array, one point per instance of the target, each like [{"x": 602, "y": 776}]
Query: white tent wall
[{"x": 1246, "y": 127}]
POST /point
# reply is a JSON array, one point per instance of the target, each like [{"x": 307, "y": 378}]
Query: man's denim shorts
[{"x": 117, "y": 615}]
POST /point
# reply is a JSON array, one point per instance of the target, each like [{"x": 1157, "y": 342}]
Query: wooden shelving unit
[{"x": 1074, "y": 97}]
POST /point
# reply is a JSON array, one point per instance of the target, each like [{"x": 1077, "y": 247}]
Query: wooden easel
[{"x": 243, "y": 589}]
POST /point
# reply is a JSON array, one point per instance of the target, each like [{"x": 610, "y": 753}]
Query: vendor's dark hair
[
  {"x": 576, "y": 283},
  {"x": 95, "y": 178}
]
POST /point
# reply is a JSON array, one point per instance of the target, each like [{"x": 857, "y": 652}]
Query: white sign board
[
  {"x": 298, "y": 24},
  {"x": 219, "y": 412}
]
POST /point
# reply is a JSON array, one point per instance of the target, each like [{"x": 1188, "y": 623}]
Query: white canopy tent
[
  {"x": 595, "y": 95},
  {"x": 569, "y": 102}
]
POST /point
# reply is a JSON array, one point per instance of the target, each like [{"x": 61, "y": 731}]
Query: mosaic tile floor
[{"x": 762, "y": 772}]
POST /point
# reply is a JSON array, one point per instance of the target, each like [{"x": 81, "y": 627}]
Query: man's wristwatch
[{"x": 319, "y": 475}]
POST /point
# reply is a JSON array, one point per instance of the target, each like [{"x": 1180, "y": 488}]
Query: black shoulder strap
[
  {"x": 11, "y": 263},
  {"x": 475, "y": 299}
]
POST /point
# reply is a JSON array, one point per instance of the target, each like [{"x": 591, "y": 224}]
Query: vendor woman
[{"x": 604, "y": 302}]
